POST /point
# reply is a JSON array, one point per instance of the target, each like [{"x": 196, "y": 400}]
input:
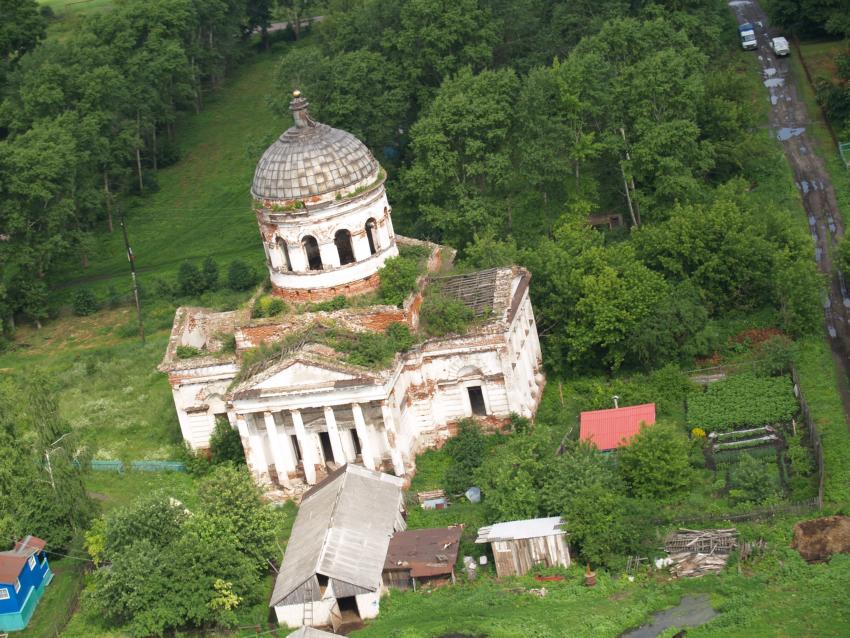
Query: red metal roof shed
[{"x": 610, "y": 429}]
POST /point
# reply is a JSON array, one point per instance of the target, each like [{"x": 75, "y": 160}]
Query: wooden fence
[{"x": 814, "y": 434}]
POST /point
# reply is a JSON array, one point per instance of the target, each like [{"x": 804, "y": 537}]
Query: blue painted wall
[{"x": 30, "y": 578}]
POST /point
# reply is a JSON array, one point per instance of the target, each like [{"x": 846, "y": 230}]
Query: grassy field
[{"x": 203, "y": 205}]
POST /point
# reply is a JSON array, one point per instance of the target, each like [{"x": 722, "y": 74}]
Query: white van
[{"x": 780, "y": 46}]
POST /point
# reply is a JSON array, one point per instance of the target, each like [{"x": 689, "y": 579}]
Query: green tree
[
  {"x": 656, "y": 464},
  {"x": 190, "y": 280},
  {"x": 21, "y": 29},
  {"x": 441, "y": 315},
  {"x": 226, "y": 444},
  {"x": 209, "y": 273},
  {"x": 466, "y": 450},
  {"x": 241, "y": 276},
  {"x": 752, "y": 480},
  {"x": 398, "y": 279}
]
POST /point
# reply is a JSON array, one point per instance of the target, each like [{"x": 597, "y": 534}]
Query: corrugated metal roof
[
  {"x": 425, "y": 552},
  {"x": 342, "y": 531},
  {"x": 610, "y": 429},
  {"x": 517, "y": 530}
]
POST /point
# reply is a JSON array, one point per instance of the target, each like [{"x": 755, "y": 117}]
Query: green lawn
[{"x": 202, "y": 206}]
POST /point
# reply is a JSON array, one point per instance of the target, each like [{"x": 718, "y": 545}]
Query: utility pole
[
  {"x": 132, "y": 259},
  {"x": 633, "y": 206}
]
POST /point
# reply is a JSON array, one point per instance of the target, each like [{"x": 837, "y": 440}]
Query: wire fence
[
  {"x": 813, "y": 434},
  {"x": 100, "y": 465}
]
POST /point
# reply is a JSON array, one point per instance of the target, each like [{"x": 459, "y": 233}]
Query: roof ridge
[{"x": 330, "y": 525}]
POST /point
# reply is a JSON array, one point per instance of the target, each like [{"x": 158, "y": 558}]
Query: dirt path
[{"x": 789, "y": 120}]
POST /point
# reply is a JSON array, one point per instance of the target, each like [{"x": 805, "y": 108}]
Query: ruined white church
[{"x": 304, "y": 410}]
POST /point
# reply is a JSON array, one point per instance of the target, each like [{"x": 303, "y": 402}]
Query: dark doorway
[
  {"x": 342, "y": 239},
  {"x": 355, "y": 440},
  {"x": 348, "y": 608},
  {"x": 296, "y": 447},
  {"x": 476, "y": 400},
  {"x": 311, "y": 247},
  {"x": 327, "y": 448},
  {"x": 370, "y": 235}
]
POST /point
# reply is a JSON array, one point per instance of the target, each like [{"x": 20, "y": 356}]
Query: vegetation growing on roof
[
  {"x": 442, "y": 315},
  {"x": 268, "y": 306},
  {"x": 187, "y": 352},
  {"x": 742, "y": 400},
  {"x": 398, "y": 279}
]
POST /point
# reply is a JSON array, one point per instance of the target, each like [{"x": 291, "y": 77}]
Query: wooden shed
[
  {"x": 518, "y": 546},
  {"x": 422, "y": 556}
]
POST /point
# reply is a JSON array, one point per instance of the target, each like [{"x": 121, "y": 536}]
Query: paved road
[{"x": 789, "y": 120}]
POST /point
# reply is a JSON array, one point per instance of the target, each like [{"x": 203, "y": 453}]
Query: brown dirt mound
[{"x": 818, "y": 539}]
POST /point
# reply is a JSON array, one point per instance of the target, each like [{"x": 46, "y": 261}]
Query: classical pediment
[{"x": 303, "y": 374}]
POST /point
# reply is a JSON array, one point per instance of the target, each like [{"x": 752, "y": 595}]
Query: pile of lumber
[
  {"x": 694, "y": 552},
  {"x": 430, "y": 495}
]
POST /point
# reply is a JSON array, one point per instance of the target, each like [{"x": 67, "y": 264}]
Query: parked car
[
  {"x": 748, "y": 36},
  {"x": 780, "y": 46}
]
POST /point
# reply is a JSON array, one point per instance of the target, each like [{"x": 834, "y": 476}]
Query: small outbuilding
[
  {"x": 331, "y": 572},
  {"x": 518, "y": 546},
  {"x": 610, "y": 429},
  {"x": 24, "y": 574},
  {"x": 422, "y": 556}
]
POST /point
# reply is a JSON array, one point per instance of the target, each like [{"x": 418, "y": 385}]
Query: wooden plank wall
[{"x": 518, "y": 557}]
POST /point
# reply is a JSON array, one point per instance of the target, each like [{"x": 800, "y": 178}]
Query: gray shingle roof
[
  {"x": 311, "y": 159},
  {"x": 342, "y": 531}
]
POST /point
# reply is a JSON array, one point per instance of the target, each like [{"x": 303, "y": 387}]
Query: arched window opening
[
  {"x": 311, "y": 247},
  {"x": 342, "y": 239},
  {"x": 284, "y": 254},
  {"x": 371, "y": 235}
]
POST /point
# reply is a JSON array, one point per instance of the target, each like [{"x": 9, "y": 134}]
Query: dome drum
[{"x": 322, "y": 210}]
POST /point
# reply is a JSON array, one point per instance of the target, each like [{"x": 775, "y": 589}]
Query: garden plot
[{"x": 752, "y": 439}]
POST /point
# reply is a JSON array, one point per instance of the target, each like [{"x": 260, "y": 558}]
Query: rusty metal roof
[
  {"x": 609, "y": 429},
  {"x": 312, "y": 159},
  {"x": 425, "y": 552},
  {"x": 13, "y": 560},
  {"x": 342, "y": 531}
]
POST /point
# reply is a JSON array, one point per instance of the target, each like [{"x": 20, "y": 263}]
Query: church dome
[{"x": 311, "y": 159}]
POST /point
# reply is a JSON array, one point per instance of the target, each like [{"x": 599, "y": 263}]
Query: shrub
[
  {"x": 209, "y": 273},
  {"x": 268, "y": 306},
  {"x": 655, "y": 463},
  {"x": 85, "y": 302},
  {"x": 190, "y": 281},
  {"x": 441, "y": 315},
  {"x": 752, "y": 480},
  {"x": 466, "y": 450},
  {"x": 398, "y": 279},
  {"x": 162, "y": 288},
  {"x": 187, "y": 352},
  {"x": 400, "y": 335},
  {"x": 241, "y": 276},
  {"x": 225, "y": 443},
  {"x": 113, "y": 297},
  {"x": 337, "y": 303}
]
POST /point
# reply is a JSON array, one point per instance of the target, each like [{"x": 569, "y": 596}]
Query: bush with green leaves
[
  {"x": 85, "y": 302},
  {"x": 441, "y": 315},
  {"x": 466, "y": 450},
  {"x": 268, "y": 306},
  {"x": 209, "y": 273},
  {"x": 337, "y": 303},
  {"x": 190, "y": 281},
  {"x": 742, "y": 400},
  {"x": 241, "y": 276},
  {"x": 187, "y": 352},
  {"x": 398, "y": 279},
  {"x": 753, "y": 480},
  {"x": 655, "y": 463},
  {"x": 225, "y": 443}
]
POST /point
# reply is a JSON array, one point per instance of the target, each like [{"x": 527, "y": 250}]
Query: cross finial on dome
[{"x": 298, "y": 106}]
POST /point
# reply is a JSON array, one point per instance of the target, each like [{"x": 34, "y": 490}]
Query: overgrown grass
[{"x": 203, "y": 206}]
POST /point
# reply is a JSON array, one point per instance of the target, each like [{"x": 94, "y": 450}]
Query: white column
[
  {"x": 282, "y": 455},
  {"x": 384, "y": 231},
  {"x": 330, "y": 255},
  {"x": 392, "y": 439},
  {"x": 308, "y": 451},
  {"x": 345, "y": 436},
  {"x": 274, "y": 254},
  {"x": 255, "y": 456},
  {"x": 333, "y": 433},
  {"x": 363, "y": 434},
  {"x": 297, "y": 257},
  {"x": 360, "y": 244}
]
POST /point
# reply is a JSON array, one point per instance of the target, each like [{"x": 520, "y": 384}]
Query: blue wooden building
[{"x": 24, "y": 573}]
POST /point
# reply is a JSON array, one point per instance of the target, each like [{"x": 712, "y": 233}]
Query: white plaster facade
[{"x": 326, "y": 612}]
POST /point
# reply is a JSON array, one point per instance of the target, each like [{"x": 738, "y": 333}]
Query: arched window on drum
[
  {"x": 311, "y": 249},
  {"x": 372, "y": 235}
]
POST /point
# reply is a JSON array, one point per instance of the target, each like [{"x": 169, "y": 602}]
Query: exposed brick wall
[{"x": 323, "y": 294}]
